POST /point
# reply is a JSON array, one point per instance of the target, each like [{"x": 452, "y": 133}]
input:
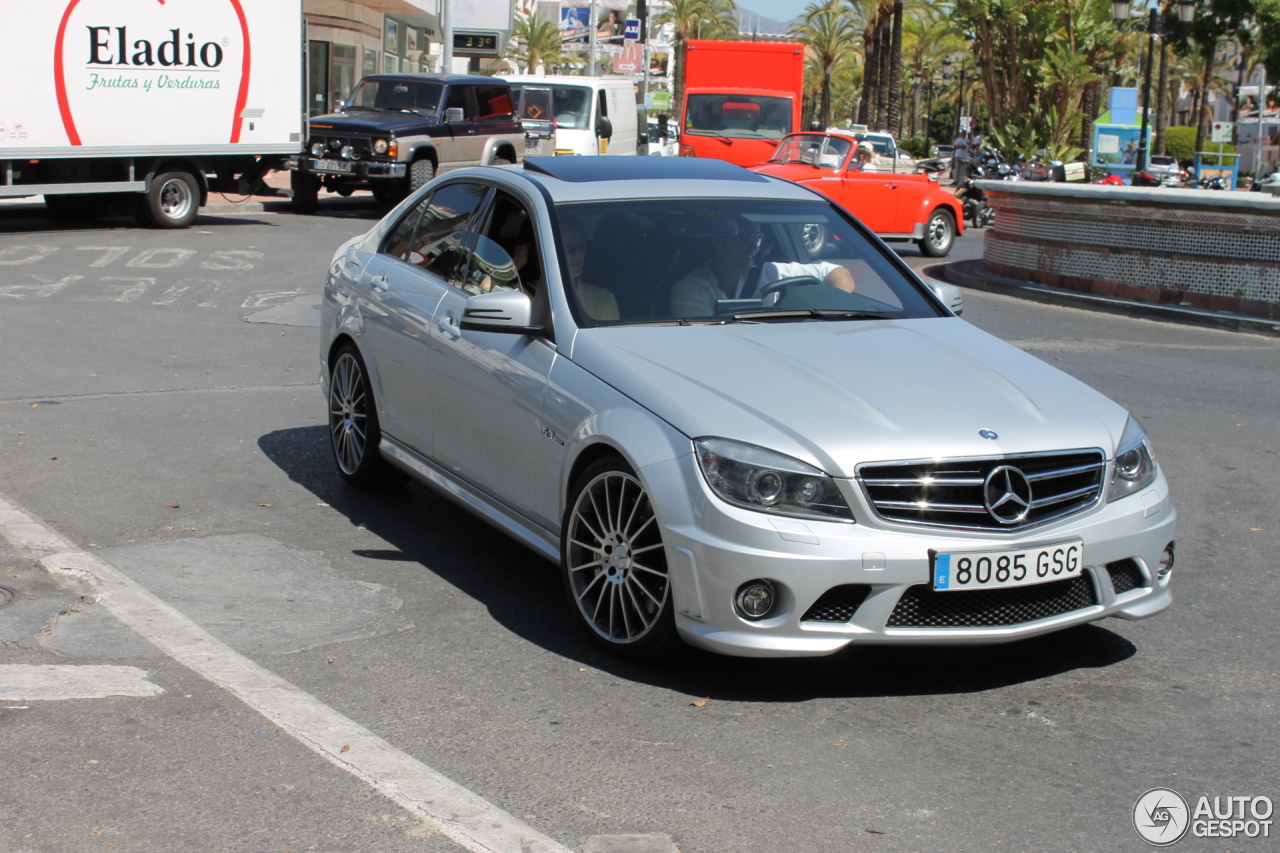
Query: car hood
[
  {"x": 371, "y": 123},
  {"x": 837, "y": 394}
]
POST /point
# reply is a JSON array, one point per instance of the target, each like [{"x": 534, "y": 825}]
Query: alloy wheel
[
  {"x": 617, "y": 569},
  {"x": 348, "y": 413}
]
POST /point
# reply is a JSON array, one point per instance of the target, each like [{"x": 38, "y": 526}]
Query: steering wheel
[{"x": 784, "y": 286}]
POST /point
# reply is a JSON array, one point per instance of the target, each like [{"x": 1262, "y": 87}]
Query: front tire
[
  {"x": 172, "y": 201},
  {"x": 306, "y": 191},
  {"x": 615, "y": 565},
  {"x": 420, "y": 174},
  {"x": 939, "y": 234},
  {"x": 354, "y": 432}
]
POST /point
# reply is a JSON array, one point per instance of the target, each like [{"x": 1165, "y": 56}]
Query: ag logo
[{"x": 1161, "y": 816}]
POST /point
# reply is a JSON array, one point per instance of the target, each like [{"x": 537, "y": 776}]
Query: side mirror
[
  {"x": 452, "y": 115},
  {"x": 509, "y": 311},
  {"x": 604, "y": 127}
]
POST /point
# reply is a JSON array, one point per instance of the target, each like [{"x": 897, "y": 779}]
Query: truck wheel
[
  {"x": 172, "y": 202},
  {"x": 420, "y": 174},
  {"x": 939, "y": 234},
  {"x": 306, "y": 191},
  {"x": 77, "y": 208}
]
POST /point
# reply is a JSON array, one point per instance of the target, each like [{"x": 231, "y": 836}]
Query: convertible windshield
[
  {"x": 813, "y": 149},
  {"x": 738, "y": 116},
  {"x": 723, "y": 260},
  {"x": 396, "y": 95}
]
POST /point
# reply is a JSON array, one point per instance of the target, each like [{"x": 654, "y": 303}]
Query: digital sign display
[{"x": 475, "y": 44}]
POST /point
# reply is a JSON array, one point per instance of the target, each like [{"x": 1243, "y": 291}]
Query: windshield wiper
[
  {"x": 682, "y": 321},
  {"x": 811, "y": 314}
]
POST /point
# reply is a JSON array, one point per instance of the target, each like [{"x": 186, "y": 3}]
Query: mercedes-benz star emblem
[
  {"x": 988, "y": 434},
  {"x": 1007, "y": 494}
]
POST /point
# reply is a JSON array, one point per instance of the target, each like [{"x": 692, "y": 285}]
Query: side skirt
[{"x": 532, "y": 535}]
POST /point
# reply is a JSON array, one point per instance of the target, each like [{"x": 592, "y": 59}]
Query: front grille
[
  {"x": 923, "y": 607},
  {"x": 949, "y": 492},
  {"x": 1125, "y": 575},
  {"x": 838, "y": 604},
  {"x": 362, "y": 148}
]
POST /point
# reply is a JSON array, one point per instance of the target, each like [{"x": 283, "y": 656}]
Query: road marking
[
  {"x": 215, "y": 389},
  {"x": 43, "y": 683},
  {"x": 466, "y": 819}
]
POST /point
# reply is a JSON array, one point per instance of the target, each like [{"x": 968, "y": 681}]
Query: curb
[
  {"x": 971, "y": 274},
  {"x": 255, "y": 204}
]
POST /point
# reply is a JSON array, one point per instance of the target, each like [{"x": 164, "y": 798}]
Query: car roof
[
  {"x": 440, "y": 78},
  {"x": 603, "y": 178}
]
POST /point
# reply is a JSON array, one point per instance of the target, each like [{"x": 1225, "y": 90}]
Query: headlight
[
  {"x": 1135, "y": 467},
  {"x": 379, "y": 146},
  {"x": 749, "y": 476}
]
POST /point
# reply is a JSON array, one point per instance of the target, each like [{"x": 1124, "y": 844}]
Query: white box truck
[{"x": 148, "y": 104}]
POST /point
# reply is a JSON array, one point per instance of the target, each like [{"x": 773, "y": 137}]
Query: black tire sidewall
[
  {"x": 155, "y": 213},
  {"x": 306, "y": 191},
  {"x": 662, "y": 640}
]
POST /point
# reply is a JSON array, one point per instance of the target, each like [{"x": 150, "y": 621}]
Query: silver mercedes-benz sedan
[{"x": 726, "y": 432}]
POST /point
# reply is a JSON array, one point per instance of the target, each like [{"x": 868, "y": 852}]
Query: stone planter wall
[{"x": 1214, "y": 250}]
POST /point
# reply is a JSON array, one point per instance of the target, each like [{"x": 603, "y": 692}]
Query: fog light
[
  {"x": 348, "y": 152},
  {"x": 317, "y": 150},
  {"x": 755, "y": 599},
  {"x": 1166, "y": 562}
]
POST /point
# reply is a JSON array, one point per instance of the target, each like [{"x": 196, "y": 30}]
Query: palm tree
[
  {"x": 705, "y": 19},
  {"x": 536, "y": 42},
  {"x": 830, "y": 35}
]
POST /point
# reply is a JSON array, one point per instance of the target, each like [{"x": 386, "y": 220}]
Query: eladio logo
[{"x": 1161, "y": 816}]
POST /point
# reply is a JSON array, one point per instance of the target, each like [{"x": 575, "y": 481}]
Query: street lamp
[{"x": 1154, "y": 27}]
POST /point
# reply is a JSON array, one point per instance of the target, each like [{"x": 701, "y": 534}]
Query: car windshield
[
  {"x": 572, "y": 104},
  {"x": 417, "y": 96},
  {"x": 738, "y": 116},
  {"x": 813, "y": 149},
  {"x": 883, "y": 145},
  {"x": 727, "y": 260}
]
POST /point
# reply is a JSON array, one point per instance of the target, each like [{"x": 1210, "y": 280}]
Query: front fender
[{"x": 933, "y": 201}]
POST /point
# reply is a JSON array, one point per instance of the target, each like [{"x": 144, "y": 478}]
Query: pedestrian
[{"x": 960, "y": 159}]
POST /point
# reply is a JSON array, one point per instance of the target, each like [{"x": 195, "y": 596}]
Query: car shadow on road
[{"x": 523, "y": 593}]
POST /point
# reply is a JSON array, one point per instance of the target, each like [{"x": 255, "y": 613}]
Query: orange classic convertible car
[{"x": 895, "y": 206}]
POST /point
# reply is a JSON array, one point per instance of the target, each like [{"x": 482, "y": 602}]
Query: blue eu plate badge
[{"x": 942, "y": 572}]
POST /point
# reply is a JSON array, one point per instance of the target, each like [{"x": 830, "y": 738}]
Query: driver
[{"x": 724, "y": 275}]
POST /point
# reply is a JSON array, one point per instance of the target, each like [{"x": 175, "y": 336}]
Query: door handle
[
  {"x": 380, "y": 283},
  {"x": 448, "y": 326}
]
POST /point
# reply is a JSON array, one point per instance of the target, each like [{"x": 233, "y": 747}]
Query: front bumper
[
  {"x": 713, "y": 548},
  {"x": 359, "y": 169}
]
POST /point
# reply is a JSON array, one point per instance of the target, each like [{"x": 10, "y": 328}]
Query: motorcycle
[
  {"x": 1110, "y": 181},
  {"x": 1264, "y": 184},
  {"x": 1145, "y": 179},
  {"x": 974, "y": 200},
  {"x": 1217, "y": 182}
]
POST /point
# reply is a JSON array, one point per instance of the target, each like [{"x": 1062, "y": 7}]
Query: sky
[{"x": 783, "y": 10}]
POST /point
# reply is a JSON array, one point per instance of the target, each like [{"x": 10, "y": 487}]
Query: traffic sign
[
  {"x": 1221, "y": 131},
  {"x": 633, "y": 30}
]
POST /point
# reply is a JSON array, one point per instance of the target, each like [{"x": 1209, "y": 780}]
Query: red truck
[{"x": 740, "y": 98}]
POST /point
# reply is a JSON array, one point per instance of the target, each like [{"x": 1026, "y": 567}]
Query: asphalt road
[{"x": 159, "y": 409}]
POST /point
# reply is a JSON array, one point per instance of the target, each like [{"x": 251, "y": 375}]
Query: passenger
[
  {"x": 864, "y": 158},
  {"x": 724, "y": 276},
  {"x": 596, "y": 302}
]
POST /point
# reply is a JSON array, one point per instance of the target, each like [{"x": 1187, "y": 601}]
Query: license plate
[
  {"x": 332, "y": 166},
  {"x": 532, "y": 146},
  {"x": 995, "y": 569}
]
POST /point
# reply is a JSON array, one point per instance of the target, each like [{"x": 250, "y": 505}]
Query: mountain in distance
[{"x": 754, "y": 22}]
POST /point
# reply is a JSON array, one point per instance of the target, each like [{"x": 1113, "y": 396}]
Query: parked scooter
[
  {"x": 1145, "y": 179},
  {"x": 974, "y": 200},
  {"x": 1217, "y": 182},
  {"x": 1263, "y": 184}
]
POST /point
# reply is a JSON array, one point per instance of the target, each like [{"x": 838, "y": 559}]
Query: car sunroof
[{"x": 632, "y": 168}]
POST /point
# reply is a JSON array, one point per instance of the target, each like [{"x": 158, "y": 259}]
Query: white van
[{"x": 580, "y": 103}]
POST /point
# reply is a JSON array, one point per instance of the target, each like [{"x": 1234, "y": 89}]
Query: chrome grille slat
[
  {"x": 949, "y": 492},
  {"x": 1064, "y": 472}
]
